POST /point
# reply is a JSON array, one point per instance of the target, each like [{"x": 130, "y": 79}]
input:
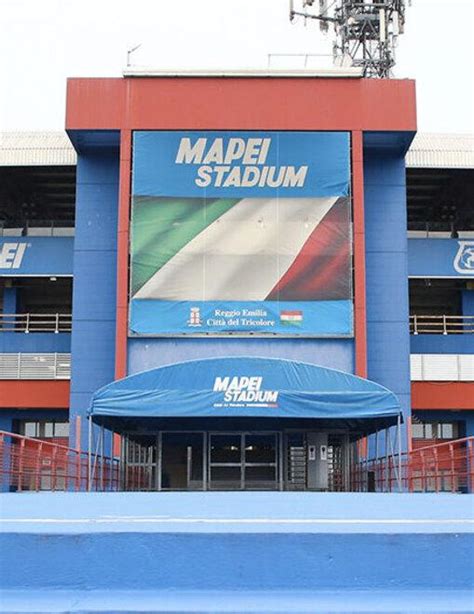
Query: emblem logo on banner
[
  {"x": 195, "y": 317},
  {"x": 464, "y": 259}
]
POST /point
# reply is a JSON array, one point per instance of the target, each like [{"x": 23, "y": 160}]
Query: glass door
[
  {"x": 243, "y": 461},
  {"x": 260, "y": 461},
  {"x": 182, "y": 461},
  {"x": 225, "y": 461}
]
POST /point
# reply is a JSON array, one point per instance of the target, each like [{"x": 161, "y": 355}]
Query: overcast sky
[{"x": 42, "y": 42}]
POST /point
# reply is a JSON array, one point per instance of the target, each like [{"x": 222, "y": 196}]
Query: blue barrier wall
[
  {"x": 436, "y": 258},
  {"x": 146, "y": 354},
  {"x": 388, "y": 339},
  {"x": 94, "y": 292},
  {"x": 28, "y": 256},
  {"x": 35, "y": 342},
  {"x": 441, "y": 344}
]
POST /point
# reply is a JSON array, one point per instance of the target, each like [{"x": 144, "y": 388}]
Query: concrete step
[
  {"x": 236, "y": 552},
  {"x": 233, "y": 602}
]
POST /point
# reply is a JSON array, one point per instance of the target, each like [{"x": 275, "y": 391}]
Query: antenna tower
[{"x": 366, "y": 31}]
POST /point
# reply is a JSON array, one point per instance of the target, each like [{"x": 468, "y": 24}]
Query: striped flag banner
[{"x": 291, "y": 318}]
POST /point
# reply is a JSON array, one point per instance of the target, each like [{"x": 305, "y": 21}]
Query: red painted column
[
  {"x": 360, "y": 314},
  {"x": 122, "y": 255}
]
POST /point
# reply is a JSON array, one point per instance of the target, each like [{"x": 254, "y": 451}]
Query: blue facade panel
[
  {"x": 386, "y": 272},
  {"x": 24, "y": 256},
  {"x": 95, "y": 284},
  {"x": 441, "y": 258},
  {"x": 468, "y": 303},
  {"x": 35, "y": 342},
  {"x": 442, "y": 344},
  {"x": 96, "y": 224},
  {"x": 144, "y": 354},
  {"x": 94, "y": 294},
  {"x": 388, "y": 340}
]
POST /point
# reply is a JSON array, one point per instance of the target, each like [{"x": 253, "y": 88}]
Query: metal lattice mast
[{"x": 366, "y": 31}]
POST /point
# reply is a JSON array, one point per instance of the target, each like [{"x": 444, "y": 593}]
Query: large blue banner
[
  {"x": 241, "y": 232},
  {"x": 241, "y": 164}
]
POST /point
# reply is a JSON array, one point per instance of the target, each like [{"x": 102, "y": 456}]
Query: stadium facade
[{"x": 254, "y": 256}]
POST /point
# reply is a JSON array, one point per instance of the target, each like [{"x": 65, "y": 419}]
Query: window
[
  {"x": 435, "y": 430},
  {"x": 43, "y": 429}
]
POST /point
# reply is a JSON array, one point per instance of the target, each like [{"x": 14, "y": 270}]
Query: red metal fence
[
  {"x": 444, "y": 467},
  {"x": 28, "y": 464},
  {"x": 35, "y": 464}
]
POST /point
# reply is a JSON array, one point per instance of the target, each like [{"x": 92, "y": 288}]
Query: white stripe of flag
[{"x": 291, "y": 316}]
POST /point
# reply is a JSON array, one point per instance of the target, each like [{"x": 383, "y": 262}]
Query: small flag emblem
[{"x": 291, "y": 318}]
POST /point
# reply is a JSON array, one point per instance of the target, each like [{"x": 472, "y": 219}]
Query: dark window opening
[
  {"x": 435, "y": 430},
  {"x": 42, "y": 429},
  {"x": 440, "y": 200},
  {"x": 436, "y": 296},
  {"x": 37, "y": 200}
]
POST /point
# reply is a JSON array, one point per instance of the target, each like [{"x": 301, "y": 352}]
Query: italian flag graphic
[
  {"x": 250, "y": 249},
  {"x": 291, "y": 318}
]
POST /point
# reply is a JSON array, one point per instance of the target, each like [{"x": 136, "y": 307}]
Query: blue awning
[{"x": 244, "y": 387}]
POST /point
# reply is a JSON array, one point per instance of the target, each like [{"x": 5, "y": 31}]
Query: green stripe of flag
[{"x": 161, "y": 227}]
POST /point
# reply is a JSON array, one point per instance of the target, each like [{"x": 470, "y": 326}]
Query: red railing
[
  {"x": 443, "y": 467},
  {"x": 28, "y": 464},
  {"x": 33, "y": 464}
]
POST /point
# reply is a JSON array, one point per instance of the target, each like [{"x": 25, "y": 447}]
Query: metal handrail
[
  {"x": 29, "y": 463},
  {"x": 441, "y": 324},
  {"x": 35, "y": 322},
  {"x": 441, "y": 467}
]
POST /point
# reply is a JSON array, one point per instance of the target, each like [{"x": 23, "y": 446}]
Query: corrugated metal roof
[
  {"x": 335, "y": 73},
  {"x": 55, "y": 149},
  {"x": 441, "y": 151},
  {"x": 36, "y": 149}
]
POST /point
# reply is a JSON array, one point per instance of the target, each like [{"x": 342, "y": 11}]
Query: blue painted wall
[
  {"x": 42, "y": 256},
  {"x": 10, "y": 299},
  {"x": 468, "y": 303},
  {"x": 441, "y": 344},
  {"x": 146, "y": 354},
  {"x": 434, "y": 258},
  {"x": 94, "y": 293},
  {"x": 35, "y": 342},
  {"x": 6, "y": 420},
  {"x": 388, "y": 339}
]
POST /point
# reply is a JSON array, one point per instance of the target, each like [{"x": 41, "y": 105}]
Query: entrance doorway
[
  {"x": 182, "y": 461},
  {"x": 244, "y": 461}
]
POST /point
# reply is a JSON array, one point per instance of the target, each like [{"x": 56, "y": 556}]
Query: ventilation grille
[{"x": 35, "y": 366}]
